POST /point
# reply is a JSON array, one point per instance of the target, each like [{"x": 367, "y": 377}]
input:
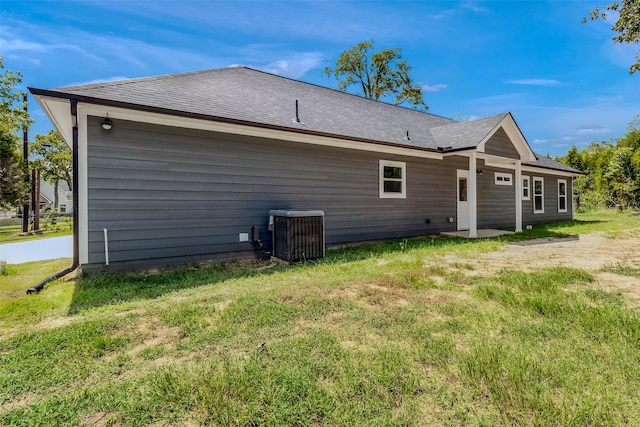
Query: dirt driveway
[{"x": 593, "y": 252}]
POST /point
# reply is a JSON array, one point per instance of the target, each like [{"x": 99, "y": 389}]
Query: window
[
  {"x": 526, "y": 188},
  {"x": 393, "y": 180},
  {"x": 562, "y": 195},
  {"x": 462, "y": 189},
  {"x": 63, "y": 208},
  {"x": 503, "y": 178},
  {"x": 538, "y": 195}
]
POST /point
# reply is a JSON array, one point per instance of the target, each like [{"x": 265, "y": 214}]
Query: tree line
[
  {"x": 612, "y": 171},
  {"x": 48, "y": 153}
]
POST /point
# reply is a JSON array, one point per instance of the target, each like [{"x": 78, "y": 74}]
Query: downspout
[{"x": 74, "y": 188}]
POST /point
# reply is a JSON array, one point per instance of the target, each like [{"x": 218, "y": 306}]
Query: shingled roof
[
  {"x": 547, "y": 163},
  {"x": 256, "y": 98}
]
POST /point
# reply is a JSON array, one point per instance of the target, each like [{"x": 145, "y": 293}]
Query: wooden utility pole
[
  {"x": 25, "y": 156},
  {"x": 35, "y": 198}
]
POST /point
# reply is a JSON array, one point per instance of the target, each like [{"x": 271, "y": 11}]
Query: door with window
[{"x": 463, "y": 199}]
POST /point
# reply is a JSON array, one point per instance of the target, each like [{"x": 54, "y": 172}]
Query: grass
[
  {"x": 624, "y": 270},
  {"x": 16, "y": 309},
  {"x": 10, "y": 233},
  {"x": 381, "y": 334}
]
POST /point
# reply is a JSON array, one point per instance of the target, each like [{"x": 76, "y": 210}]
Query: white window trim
[
  {"x": 566, "y": 196},
  {"x": 501, "y": 178},
  {"x": 533, "y": 181},
  {"x": 390, "y": 163},
  {"x": 527, "y": 187}
]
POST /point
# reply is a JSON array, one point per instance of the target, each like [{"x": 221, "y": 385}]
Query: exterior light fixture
[
  {"x": 107, "y": 124},
  {"x": 479, "y": 171}
]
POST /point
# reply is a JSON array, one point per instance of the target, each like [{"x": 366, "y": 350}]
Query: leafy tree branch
[
  {"x": 627, "y": 26},
  {"x": 377, "y": 74}
]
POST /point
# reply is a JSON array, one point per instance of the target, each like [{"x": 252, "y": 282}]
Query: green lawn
[
  {"x": 381, "y": 334},
  {"x": 62, "y": 227}
]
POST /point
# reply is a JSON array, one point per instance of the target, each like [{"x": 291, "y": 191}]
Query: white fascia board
[
  {"x": 489, "y": 159},
  {"x": 515, "y": 136},
  {"x": 497, "y": 161},
  {"x": 237, "y": 129},
  {"x": 547, "y": 171},
  {"x": 505, "y": 163},
  {"x": 59, "y": 112}
]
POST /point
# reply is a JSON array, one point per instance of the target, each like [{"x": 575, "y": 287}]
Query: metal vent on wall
[{"x": 297, "y": 235}]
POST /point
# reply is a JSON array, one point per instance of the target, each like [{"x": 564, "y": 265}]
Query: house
[
  {"x": 47, "y": 196},
  {"x": 178, "y": 168}
]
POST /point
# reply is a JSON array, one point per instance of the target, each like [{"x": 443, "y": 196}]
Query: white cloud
[
  {"x": 104, "y": 80},
  {"x": 295, "y": 67},
  {"x": 434, "y": 88},
  {"x": 535, "y": 82},
  {"x": 592, "y": 130},
  {"x": 575, "y": 138},
  {"x": 473, "y": 7},
  {"x": 620, "y": 54},
  {"x": 38, "y": 44},
  {"x": 18, "y": 45},
  {"x": 573, "y": 121}
]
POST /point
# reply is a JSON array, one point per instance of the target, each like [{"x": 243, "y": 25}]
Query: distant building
[{"x": 47, "y": 197}]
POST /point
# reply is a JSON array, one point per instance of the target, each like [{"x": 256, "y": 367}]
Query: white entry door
[{"x": 463, "y": 199}]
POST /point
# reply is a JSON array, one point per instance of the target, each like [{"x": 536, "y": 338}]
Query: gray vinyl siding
[
  {"x": 496, "y": 203},
  {"x": 551, "y": 213},
  {"x": 170, "y": 195},
  {"x": 500, "y": 145}
]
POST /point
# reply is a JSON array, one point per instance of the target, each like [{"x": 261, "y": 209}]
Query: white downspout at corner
[
  {"x": 518, "y": 196},
  {"x": 473, "y": 219}
]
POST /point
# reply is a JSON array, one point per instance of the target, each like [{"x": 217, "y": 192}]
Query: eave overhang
[{"x": 55, "y": 106}]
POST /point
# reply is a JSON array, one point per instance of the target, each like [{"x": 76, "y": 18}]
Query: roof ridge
[
  {"x": 474, "y": 121},
  {"x": 339, "y": 91},
  {"x": 138, "y": 79},
  {"x": 123, "y": 82}
]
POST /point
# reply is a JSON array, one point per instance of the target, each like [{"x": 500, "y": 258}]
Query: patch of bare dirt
[
  {"x": 592, "y": 252},
  {"x": 155, "y": 336}
]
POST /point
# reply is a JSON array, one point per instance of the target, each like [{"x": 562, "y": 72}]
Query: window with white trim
[
  {"x": 503, "y": 178},
  {"x": 393, "y": 180},
  {"x": 538, "y": 195},
  {"x": 526, "y": 187},
  {"x": 562, "y": 195}
]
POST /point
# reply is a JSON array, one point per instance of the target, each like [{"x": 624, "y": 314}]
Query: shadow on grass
[
  {"x": 93, "y": 291},
  {"x": 98, "y": 290},
  {"x": 550, "y": 230}
]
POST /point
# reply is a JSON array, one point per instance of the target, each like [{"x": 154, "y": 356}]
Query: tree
[
  {"x": 612, "y": 170},
  {"x": 13, "y": 118},
  {"x": 378, "y": 75},
  {"x": 14, "y": 191},
  {"x": 627, "y": 26},
  {"x": 53, "y": 158},
  {"x": 13, "y": 188}
]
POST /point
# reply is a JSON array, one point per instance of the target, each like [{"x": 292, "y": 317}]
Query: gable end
[{"x": 500, "y": 145}]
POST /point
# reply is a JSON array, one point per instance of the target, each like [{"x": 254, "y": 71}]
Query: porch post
[
  {"x": 519, "y": 196},
  {"x": 473, "y": 220}
]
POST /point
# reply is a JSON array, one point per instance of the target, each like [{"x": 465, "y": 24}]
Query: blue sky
[{"x": 565, "y": 82}]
